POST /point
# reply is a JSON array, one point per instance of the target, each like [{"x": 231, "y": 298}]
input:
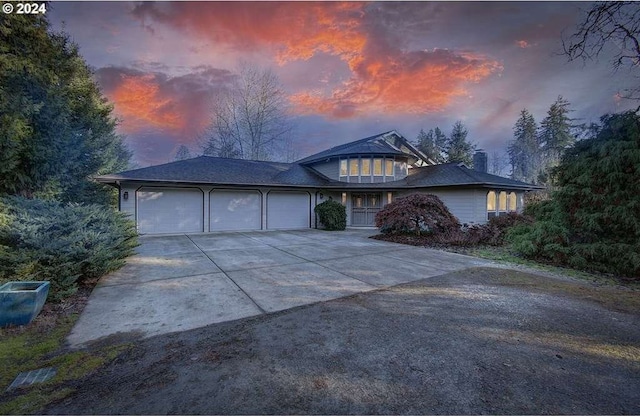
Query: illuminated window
[
  {"x": 513, "y": 201},
  {"x": 366, "y": 167},
  {"x": 343, "y": 167},
  {"x": 377, "y": 167},
  {"x": 344, "y": 199},
  {"x": 502, "y": 201},
  {"x": 389, "y": 197},
  {"x": 491, "y": 201},
  {"x": 388, "y": 167},
  {"x": 353, "y": 167}
]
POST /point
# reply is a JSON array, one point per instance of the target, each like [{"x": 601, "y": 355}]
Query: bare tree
[
  {"x": 182, "y": 153},
  {"x": 616, "y": 24},
  {"x": 251, "y": 119},
  {"x": 499, "y": 163}
]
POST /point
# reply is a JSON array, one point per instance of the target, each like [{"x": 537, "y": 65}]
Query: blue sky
[{"x": 350, "y": 69}]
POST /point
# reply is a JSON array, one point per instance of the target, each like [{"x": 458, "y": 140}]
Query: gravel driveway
[{"x": 475, "y": 341}]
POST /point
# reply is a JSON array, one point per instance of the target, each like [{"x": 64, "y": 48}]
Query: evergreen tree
[
  {"x": 524, "y": 151},
  {"x": 440, "y": 142},
  {"x": 56, "y": 128},
  {"x": 592, "y": 220},
  {"x": 427, "y": 143},
  {"x": 555, "y": 135},
  {"x": 182, "y": 153},
  {"x": 458, "y": 149}
]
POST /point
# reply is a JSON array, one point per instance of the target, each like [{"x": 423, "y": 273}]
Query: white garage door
[
  {"x": 162, "y": 210},
  {"x": 287, "y": 210},
  {"x": 235, "y": 210}
]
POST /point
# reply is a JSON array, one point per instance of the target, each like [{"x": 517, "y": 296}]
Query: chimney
[{"x": 480, "y": 161}]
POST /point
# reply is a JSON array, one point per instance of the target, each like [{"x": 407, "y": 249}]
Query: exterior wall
[
  {"x": 468, "y": 205},
  {"x": 330, "y": 169}
]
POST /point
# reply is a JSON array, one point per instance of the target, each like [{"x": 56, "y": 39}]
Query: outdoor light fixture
[
  {"x": 125, "y": 195},
  {"x": 321, "y": 195}
]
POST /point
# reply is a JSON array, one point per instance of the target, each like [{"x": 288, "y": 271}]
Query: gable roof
[
  {"x": 222, "y": 171},
  {"x": 372, "y": 145}
]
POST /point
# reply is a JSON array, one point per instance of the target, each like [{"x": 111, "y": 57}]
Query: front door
[{"x": 364, "y": 208}]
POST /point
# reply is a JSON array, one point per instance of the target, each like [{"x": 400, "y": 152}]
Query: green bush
[
  {"x": 592, "y": 220},
  {"x": 61, "y": 243},
  {"x": 332, "y": 214}
]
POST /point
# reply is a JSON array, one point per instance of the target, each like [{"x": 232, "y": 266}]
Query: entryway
[{"x": 364, "y": 207}]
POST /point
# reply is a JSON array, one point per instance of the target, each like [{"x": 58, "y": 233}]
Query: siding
[
  {"x": 330, "y": 169},
  {"x": 468, "y": 205}
]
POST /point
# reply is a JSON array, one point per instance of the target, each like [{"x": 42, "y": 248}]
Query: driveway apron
[{"x": 181, "y": 282}]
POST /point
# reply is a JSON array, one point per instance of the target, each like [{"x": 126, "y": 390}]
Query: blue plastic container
[{"x": 20, "y": 302}]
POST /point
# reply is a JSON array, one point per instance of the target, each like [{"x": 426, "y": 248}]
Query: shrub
[
  {"x": 332, "y": 214},
  {"x": 416, "y": 214},
  {"x": 61, "y": 243},
  {"x": 592, "y": 220}
]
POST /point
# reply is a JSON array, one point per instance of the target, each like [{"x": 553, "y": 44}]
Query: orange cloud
[
  {"x": 523, "y": 44},
  {"x": 414, "y": 82},
  {"x": 384, "y": 76},
  {"x": 137, "y": 100}
]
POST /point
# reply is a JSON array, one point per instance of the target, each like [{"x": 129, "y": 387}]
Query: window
[
  {"x": 353, "y": 167},
  {"x": 491, "y": 201},
  {"x": 513, "y": 201},
  {"x": 377, "y": 167},
  {"x": 389, "y": 197},
  {"x": 344, "y": 199},
  {"x": 343, "y": 167},
  {"x": 502, "y": 201},
  {"x": 499, "y": 203},
  {"x": 366, "y": 167},
  {"x": 388, "y": 167}
]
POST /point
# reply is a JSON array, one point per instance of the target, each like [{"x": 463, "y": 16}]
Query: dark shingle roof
[
  {"x": 222, "y": 171},
  {"x": 457, "y": 174},
  {"x": 367, "y": 146}
]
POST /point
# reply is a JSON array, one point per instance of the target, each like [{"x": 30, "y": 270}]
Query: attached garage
[
  {"x": 166, "y": 210},
  {"x": 235, "y": 210},
  {"x": 288, "y": 210}
]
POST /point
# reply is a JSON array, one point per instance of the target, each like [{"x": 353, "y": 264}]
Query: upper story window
[
  {"x": 377, "y": 166},
  {"x": 388, "y": 167},
  {"x": 365, "y": 167},
  {"x": 371, "y": 169},
  {"x": 353, "y": 167}
]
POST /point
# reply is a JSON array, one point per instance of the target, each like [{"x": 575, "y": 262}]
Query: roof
[
  {"x": 457, "y": 174},
  {"x": 372, "y": 145},
  {"x": 222, "y": 171}
]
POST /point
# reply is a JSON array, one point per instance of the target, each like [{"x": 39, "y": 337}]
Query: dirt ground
[{"x": 480, "y": 341}]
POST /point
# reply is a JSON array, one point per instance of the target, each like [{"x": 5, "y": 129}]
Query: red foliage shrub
[{"x": 416, "y": 214}]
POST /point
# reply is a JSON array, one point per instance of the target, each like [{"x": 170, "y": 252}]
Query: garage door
[
  {"x": 235, "y": 210},
  {"x": 288, "y": 210},
  {"x": 162, "y": 210}
]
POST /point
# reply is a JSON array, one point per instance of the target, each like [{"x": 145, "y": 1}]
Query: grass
[{"x": 42, "y": 344}]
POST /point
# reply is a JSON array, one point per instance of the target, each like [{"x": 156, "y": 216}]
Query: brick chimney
[{"x": 480, "y": 161}]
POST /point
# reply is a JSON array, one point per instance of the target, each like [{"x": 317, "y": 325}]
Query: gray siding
[
  {"x": 468, "y": 205},
  {"x": 330, "y": 169}
]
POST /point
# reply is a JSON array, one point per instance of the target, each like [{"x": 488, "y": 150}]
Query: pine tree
[
  {"x": 56, "y": 128},
  {"x": 524, "y": 151},
  {"x": 458, "y": 149},
  {"x": 555, "y": 135},
  {"x": 432, "y": 144}
]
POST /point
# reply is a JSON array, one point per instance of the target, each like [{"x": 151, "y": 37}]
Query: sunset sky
[{"x": 350, "y": 69}]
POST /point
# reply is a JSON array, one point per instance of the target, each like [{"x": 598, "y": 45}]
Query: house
[{"x": 217, "y": 194}]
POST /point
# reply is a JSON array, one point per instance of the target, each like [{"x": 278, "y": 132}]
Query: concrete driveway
[{"x": 181, "y": 282}]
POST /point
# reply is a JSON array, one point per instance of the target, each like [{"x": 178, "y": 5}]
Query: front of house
[{"x": 206, "y": 194}]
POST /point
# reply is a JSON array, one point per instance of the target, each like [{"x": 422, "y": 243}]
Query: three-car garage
[{"x": 161, "y": 210}]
